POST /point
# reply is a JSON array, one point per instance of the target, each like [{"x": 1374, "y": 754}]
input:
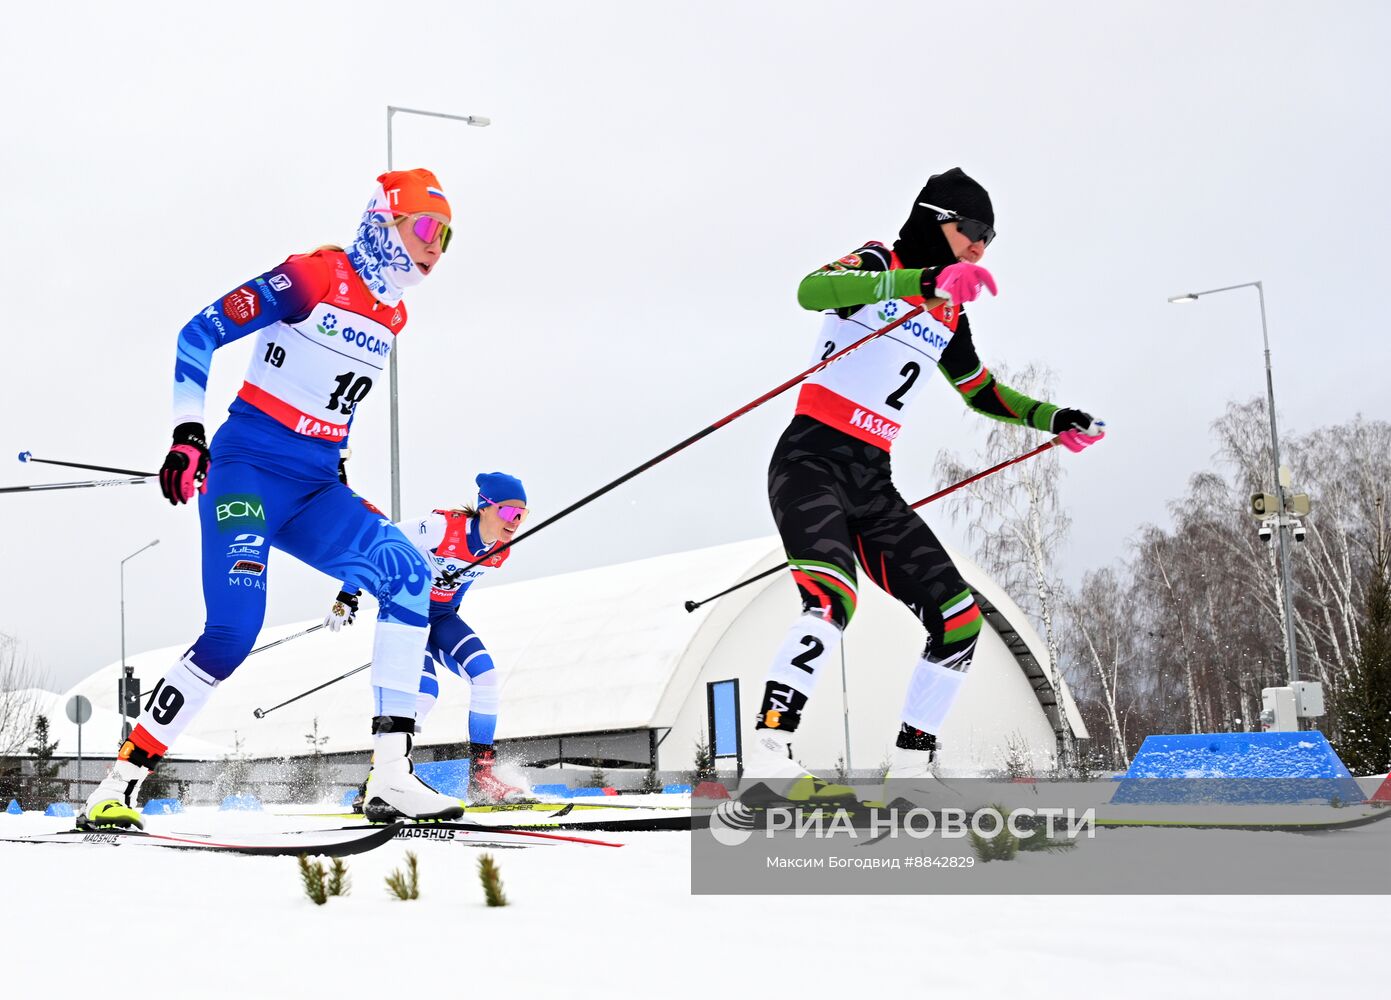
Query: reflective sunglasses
[
  {"x": 511, "y": 513},
  {"x": 973, "y": 229},
  {"x": 427, "y": 229}
]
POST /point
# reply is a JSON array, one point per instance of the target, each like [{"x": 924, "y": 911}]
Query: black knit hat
[
  {"x": 920, "y": 241},
  {"x": 961, "y": 194}
]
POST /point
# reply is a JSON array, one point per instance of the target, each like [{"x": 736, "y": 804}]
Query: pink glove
[
  {"x": 1076, "y": 440},
  {"x": 185, "y": 468},
  {"x": 961, "y": 282}
]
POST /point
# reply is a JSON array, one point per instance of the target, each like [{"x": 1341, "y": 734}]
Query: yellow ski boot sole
[{"x": 111, "y": 812}]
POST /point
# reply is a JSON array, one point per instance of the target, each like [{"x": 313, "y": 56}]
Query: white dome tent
[{"x": 607, "y": 664}]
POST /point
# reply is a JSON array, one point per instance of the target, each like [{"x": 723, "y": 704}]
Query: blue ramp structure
[
  {"x": 243, "y": 803},
  {"x": 162, "y": 807},
  {"x": 448, "y": 777},
  {"x": 1237, "y": 769}
]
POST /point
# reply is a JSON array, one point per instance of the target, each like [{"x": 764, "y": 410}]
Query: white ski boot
[
  {"x": 768, "y": 761},
  {"x": 912, "y": 778},
  {"x": 393, "y": 790},
  {"x": 912, "y": 764},
  {"x": 113, "y": 801}
]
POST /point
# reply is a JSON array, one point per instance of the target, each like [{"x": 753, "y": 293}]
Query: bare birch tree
[
  {"x": 1207, "y": 609},
  {"x": 19, "y": 696},
  {"x": 1017, "y": 523}
]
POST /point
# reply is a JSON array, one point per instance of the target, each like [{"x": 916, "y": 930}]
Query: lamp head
[{"x": 1186, "y": 297}]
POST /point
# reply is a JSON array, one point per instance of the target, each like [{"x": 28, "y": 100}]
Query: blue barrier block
[
  {"x": 676, "y": 790},
  {"x": 1237, "y": 768},
  {"x": 578, "y": 793},
  {"x": 448, "y": 777},
  {"x": 162, "y": 807},
  {"x": 248, "y": 803},
  {"x": 348, "y": 796},
  {"x": 59, "y": 809},
  {"x": 561, "y": 790},
  {"x": 13, "y": 808}
]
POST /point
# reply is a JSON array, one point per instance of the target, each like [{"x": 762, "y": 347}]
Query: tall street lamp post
[
  {"x": 391, "y": 111},
  {"x": 1292, "y": 654},
  {"x": 127, "y": 671}
]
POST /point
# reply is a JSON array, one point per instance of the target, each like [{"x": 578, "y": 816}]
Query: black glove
[
  {"x": 1076, "y": 430},
  {"x": 185, "y": 468},
  {"x": 343, "y": 456},
  {"x": 1068, "y": 419}
]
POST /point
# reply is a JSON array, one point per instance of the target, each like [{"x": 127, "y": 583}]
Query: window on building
[{"x": 723, "y": 700}]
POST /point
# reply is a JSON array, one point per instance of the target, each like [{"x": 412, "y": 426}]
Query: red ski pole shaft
[
  {"x": 692, "y": 605},
  {"x": 712, "y": 428},
  {"x": 986, "y": 472}
]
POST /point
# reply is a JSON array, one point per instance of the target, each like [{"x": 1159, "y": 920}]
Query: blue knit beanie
[{"x": 494, "y": 487}]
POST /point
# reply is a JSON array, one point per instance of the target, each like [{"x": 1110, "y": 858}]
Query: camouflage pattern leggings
[{"x": 835, "y": 504}]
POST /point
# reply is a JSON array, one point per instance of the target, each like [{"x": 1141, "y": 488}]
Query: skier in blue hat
[{"x": 456, "y": 542}]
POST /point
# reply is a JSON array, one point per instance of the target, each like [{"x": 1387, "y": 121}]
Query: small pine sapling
[
  {"x": 1001, "y": 846},
  {"x": 311, "y": 875},
  {"x": 1037, "y": 839},
  {"x": 597, "y": 777},
  {"x": 340, "y": 883},
  {"x": 405, "y": 885},
  {"x": 491, "y": 878}
]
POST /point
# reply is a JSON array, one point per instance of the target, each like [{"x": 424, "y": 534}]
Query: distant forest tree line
[{"x": 1183, "y": 632}]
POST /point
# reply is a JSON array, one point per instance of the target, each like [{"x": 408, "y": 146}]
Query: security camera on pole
[{"x": 1266, "y": 506}]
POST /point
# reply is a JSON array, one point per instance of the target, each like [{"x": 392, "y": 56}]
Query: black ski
[
  {"x": 335, "y": 842},
  {"x": 479, "y": 834}
]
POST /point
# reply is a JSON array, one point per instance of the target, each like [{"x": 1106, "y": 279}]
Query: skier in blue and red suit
[{"x": 273, "y": 478}]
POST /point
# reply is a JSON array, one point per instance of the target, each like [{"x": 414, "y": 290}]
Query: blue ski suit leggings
[
  {"x": 455, "y": 645},
  {"x": 269, "y": 488}
]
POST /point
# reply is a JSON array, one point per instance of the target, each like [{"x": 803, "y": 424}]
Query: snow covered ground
[{"x": 603, "y": 922}]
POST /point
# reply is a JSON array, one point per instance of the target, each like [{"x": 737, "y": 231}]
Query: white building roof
[{"x": 600, "y": 649}]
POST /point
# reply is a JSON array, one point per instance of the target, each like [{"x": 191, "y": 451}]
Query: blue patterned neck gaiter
[{"x": 378, "y": 255}]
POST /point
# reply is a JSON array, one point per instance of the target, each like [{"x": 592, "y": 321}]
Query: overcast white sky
[{"x": 631, "y": 231}]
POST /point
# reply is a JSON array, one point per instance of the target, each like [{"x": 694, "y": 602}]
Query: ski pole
[
  {"x": 261, "y": 713},
  {"x": 692, "y": 605},
  {"x": 258, "y": 649},
  {"x": 712, "y": 428},
  {"x": 72, "y": 486},
  {"x": 28, "y": 456}
]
